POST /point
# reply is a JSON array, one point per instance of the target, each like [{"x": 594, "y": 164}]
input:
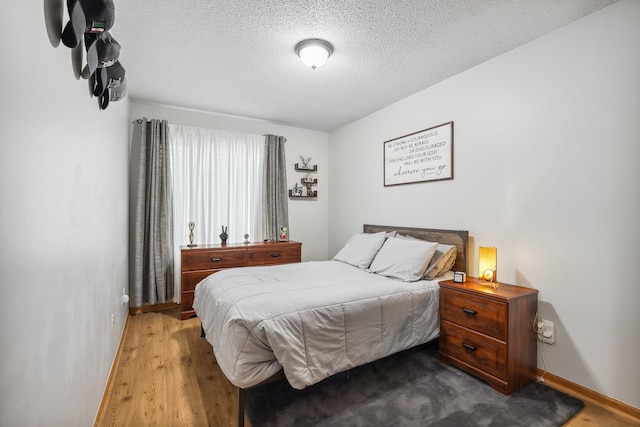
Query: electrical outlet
[
  {"x": 113, "y": 322},
  {"x": 546, "y": 331}
]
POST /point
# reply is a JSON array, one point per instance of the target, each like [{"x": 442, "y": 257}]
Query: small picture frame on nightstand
[{"x": 459, "y": 277}]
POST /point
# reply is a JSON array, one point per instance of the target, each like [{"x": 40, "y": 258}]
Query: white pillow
[
  {"x": 404, "y": 259},
  {"x": 442, "y": 261},
  {"x": 360, "y": 249}
]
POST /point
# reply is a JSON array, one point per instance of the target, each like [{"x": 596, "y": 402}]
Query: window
[{"x": 216, "y": 181}]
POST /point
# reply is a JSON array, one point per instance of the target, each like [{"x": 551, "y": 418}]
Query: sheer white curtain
[{"x": 217, "y": 181}]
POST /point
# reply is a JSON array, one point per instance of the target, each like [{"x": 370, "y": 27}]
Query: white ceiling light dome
[{"x": 314, "y": 52}]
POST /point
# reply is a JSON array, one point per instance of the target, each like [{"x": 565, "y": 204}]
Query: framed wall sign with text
[{"x": 422, "y": 156}]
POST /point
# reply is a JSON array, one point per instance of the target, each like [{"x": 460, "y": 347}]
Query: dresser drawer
[
  {"x": 474, "y": 312},
  {"x": 186, "y": 300},
  {"x": 275, "y": 255},
  {"x": 191, "y": 278},
  {"x": 213, "y": 259},
  {"x": 481, "y": 351}
]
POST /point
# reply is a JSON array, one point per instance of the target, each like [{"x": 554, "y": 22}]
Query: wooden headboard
[{"x": 458, "y": 238}]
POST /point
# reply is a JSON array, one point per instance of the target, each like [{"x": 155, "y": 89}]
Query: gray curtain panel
[
  {"x": 275, "y": 203},
  {"x": 153, "y": 224}
]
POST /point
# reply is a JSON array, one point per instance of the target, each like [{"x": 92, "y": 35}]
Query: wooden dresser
[
  {"x": 489, "y": 333},
  {"x": 202, "y": 260}
]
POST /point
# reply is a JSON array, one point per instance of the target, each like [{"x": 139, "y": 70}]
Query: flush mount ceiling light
[{"x": 314, "y": 52}]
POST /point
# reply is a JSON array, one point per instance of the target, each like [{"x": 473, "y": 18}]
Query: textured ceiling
[{"x": 237, "y": 57}]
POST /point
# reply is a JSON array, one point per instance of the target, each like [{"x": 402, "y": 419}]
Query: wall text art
[{"x": 422, "y": 156}]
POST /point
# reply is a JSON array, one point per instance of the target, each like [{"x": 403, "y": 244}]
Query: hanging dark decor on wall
[{"x": 87, "y": 35}]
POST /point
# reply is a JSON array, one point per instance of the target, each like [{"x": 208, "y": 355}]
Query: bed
[{"x": 308, "y": 321}]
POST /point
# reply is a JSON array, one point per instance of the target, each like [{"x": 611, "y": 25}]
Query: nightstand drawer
[
  {"x": 481, "y": 351},
  {"x": 213, "y": 259},
  {"x": 275, "y": 255},
  {"x": 474, "y": 312}
]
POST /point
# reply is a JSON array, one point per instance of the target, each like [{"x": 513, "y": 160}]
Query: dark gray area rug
[{"x": 411, "y": 388}]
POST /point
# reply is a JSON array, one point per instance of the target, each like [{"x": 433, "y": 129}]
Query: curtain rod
[{"x": 139, "y": 121}]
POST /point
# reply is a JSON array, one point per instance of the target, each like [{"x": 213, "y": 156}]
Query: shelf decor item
[
  {"x": 305, "y": 163},
  {"x": 297, "y": 190}
]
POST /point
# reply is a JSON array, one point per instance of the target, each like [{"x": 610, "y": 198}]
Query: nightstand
[{"x": 488, "y": 332}]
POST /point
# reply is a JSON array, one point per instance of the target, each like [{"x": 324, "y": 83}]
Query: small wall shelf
[
  {"x": 299, "y": 169},
  {"x": 307, "y": 183},
  {"x": 314, "y": 195}
]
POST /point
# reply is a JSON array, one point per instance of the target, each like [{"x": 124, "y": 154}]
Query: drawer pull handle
[
  {"x": 216, "y": 259},
  {"x": 276, "y": 255},
  {"x": 469, "y": 311},
  {"x": 469, "y": 346}
]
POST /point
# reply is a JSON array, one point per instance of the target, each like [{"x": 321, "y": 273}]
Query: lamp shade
[
  {"x": 314, "y": 52},
  {"x": 487, "y": 263}
]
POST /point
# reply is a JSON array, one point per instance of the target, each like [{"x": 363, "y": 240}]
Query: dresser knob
[
  {"x": 469, "y": 311},
  {"x": 275, "y": 255},
  {"x": 216, "y": 259}
]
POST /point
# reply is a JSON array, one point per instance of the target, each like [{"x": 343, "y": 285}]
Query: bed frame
[{"x": 458, "y": 238}]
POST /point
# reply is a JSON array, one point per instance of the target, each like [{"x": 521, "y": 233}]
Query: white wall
[
  {"x": 308, "y": 221},
  {"x": 547, "y": 150},
  {"x": 63, "y": 230}
]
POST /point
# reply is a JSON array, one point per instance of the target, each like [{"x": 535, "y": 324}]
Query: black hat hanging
[
  {"x": 88, "y": 29},
  {"x": 87, "y": 16}
]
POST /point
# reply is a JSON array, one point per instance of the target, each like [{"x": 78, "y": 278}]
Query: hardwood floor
[{"x": 167, "y": 376}]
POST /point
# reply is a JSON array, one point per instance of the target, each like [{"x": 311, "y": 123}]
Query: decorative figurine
[
  {"x": 246, "y": 239},
  {"x": 305, "y": 162},
  {"x": 297, "y": 190},
  {"x": 283, "y": 234},
  {"x": 224, "y": 236},
  {"x": 192, "y": 226},
  {"x": 310, "y": 192}
]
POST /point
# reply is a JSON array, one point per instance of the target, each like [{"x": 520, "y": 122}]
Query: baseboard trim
[
  {"x": 156, "y": 307},
  {"x": 589, "y": 395},
  {"x": 112, "y": 374}
]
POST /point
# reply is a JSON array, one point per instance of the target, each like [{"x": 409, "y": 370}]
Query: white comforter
[{"x": 312, "y": 319}]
